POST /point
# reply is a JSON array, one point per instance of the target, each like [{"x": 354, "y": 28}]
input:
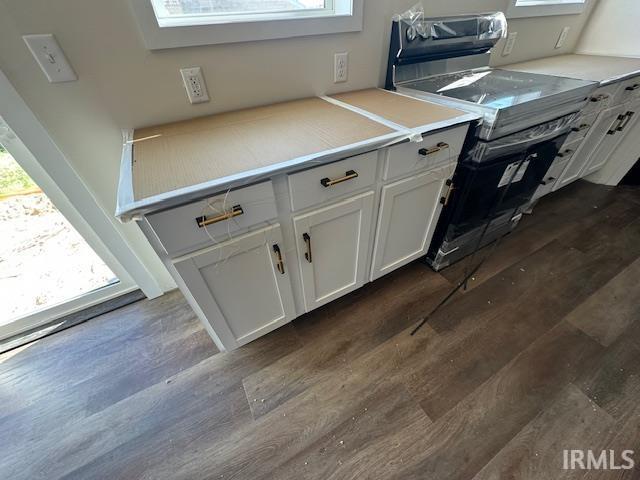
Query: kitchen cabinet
[
  {"x": 242, "y": 285},
  {"x": 608, "y": 119},
  {"x": 619, "y": 130},
  {"x": 409, "y": 211},
  {"x": 332, "y": 245}
]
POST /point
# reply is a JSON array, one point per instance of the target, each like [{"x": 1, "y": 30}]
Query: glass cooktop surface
[{"x": 495, "y": 88}]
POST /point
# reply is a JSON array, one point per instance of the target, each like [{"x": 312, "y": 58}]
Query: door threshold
[{"x": 70, "y": 320}]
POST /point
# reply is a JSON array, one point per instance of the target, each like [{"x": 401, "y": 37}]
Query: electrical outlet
[
  {"x": 508, "y": 46},
  {"x": 194, "y": 84},
  {"x": 340, "y": 67},
  {"x": 563, "y": 36},
  {"x": 47, "y": 52}
]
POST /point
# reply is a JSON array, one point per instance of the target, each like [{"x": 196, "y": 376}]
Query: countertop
[
  {"x": 603, "y": 69},
  {"x": 172, "y": 164}
]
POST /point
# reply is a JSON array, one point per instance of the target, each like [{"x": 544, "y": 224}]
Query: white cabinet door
[
  {"x": 241, "y": 286},
  {"x": 333, "y": 245},
  {"x": 614, "y": 137},
  {"x": 409, "y": 211},
  {"x": 607, "y": 120}
]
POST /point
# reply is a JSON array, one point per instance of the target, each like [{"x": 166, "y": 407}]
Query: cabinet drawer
[
  {"x": 179, "y": 230},
  {"x": 433, "y": 151},
  {"x": 321, "y": 184},
  {"x": 580, "y": 127},
  {"x": 629, "y": 90},
  {"x": 567, "y": 150},
  {"x": 602, "y": 98}
]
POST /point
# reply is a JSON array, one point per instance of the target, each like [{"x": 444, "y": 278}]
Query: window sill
[
  {"x": 156, "y": 38},
  {"x": 539, "y": 9}
]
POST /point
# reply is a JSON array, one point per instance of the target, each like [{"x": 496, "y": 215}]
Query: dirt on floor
[{"x": 43, "y": 260}]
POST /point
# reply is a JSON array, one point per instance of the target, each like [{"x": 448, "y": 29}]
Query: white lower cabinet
[
  {"x": 242, "y": 286},
  {"x": 409, "y": 211},
  {"x": 332, "y": 244}
]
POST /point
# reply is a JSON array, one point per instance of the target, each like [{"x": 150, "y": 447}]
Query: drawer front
[
  {"x": 324, "y": 183},
  {"x": 629, "y": 90},
  {"x": 602, "y": 98},
  {"x": 567, "y": 150},
  {"x": 580, "y": 127},
  {"x": 433, "y": 151},
  {"x": 179, "y": 230}
]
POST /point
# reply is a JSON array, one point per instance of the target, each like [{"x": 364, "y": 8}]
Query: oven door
[{"x": 495, "y": 187}]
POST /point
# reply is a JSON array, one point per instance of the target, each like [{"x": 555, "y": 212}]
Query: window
[
  {"x": 206, "y": 12},
  {"x": 180, "y": 23},
  {"x": 537, "y": 8}
]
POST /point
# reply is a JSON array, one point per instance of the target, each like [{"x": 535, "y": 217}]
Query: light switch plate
[
  {"x": 563, "y": 36},
  {"x": 508, "y": 46},
  {"x": 52, "y": 60}
]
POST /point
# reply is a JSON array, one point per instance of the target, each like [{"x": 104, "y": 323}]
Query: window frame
[
  {"x": 543, "y": 8},
  {"x": 346, "y": 17}
]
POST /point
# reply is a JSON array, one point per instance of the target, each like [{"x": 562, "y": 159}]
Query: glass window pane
[{"x": 181, "y": 8}]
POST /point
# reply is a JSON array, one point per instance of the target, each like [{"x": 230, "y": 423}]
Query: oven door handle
[{"x": 496, "y": 146}]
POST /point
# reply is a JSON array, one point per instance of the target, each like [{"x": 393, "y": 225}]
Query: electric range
[{"x": 525, "y": 120}]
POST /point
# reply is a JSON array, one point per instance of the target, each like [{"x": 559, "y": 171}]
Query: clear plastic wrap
[{"x": 483, "y": 26}]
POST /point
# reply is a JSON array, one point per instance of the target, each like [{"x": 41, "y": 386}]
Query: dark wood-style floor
[{"x": 540, "y": 354}]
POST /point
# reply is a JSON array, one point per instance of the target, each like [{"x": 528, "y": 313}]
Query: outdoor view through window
[
  {"x": 181, "y": 8},
  {"x": 43, "y": 260}
]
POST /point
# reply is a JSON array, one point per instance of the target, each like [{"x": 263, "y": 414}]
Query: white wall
[
  {"x": 122, "y": 85},
  {"x": 613, "y": 29}
]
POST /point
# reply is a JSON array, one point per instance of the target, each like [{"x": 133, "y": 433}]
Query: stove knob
[{"x": 411, "y": 33}]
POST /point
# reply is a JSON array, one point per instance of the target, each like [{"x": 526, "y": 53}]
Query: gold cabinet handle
[
  {"x": 568, "y": 151},
  {"x": 633, "y": 87},
  {"x": 627, "y": 118},
  {"x": 616, "y": 124},
  {"x": 234, "y": 212},
  {"x": 349, "y": 175},
  {"x": 598, "y": 98},
  {"x": 307, "y": 241},
  {"x": 431, "y": 150},
  {"x": 584, "y": 126},
  {"x": 280, "y": 263}
]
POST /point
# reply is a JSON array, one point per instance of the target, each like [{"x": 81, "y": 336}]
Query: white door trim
[{"x": 30, "y": 144}]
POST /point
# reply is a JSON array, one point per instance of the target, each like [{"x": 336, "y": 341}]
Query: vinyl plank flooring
[
  {"x": 573, "y": 421},
  {"x": 606, "y": 315},
  {"x": 499, "y": 408}
]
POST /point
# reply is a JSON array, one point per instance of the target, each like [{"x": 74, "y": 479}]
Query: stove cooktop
[
  {"x": 495, "y": 88},
  {"x": 509, "y": 101}
]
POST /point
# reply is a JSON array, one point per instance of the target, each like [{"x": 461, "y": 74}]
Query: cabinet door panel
[
  {"x": 409, "y": 211},
  {"x": 597, "y": 133},
  {"x": 332, "y": 247},
  {"x": 611, "y": 141},
  {"x": 239, "y": 287}
]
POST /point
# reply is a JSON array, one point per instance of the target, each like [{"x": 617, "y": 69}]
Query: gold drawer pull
[
  {"x": 584, "y": 126},
  {"x": 431, "y": 150},
  {"x": 234, "y": 212},
  {"x": 349, "y": 175},
  {"x": 307, "y": 241},
  {"x": 633, "y": 87},
  {"x": 598, "y": 98},
  {"x": 280, "y": 263},
  {"x": 568, "y": 151}
]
